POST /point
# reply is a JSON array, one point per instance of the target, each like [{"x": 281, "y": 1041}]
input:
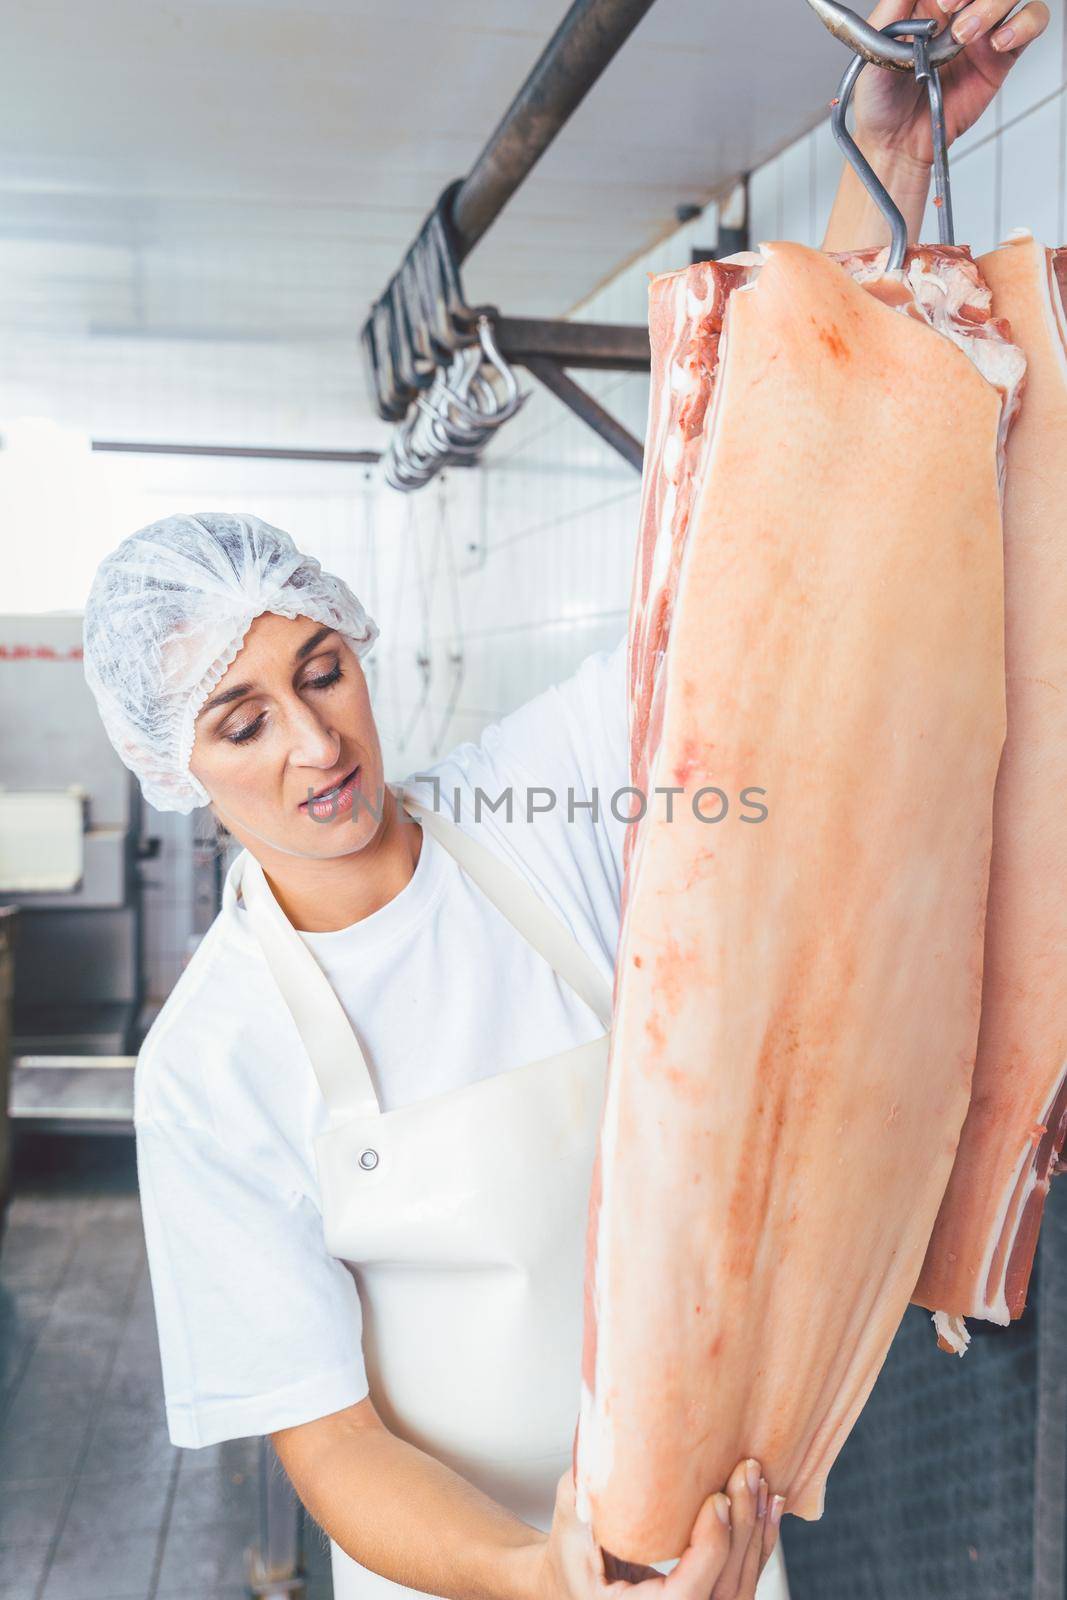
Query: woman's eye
[
  {"x": 325, "y": 682},
  {"x": 246, "y": 733}
]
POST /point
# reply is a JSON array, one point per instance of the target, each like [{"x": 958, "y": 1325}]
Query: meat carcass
[
  {"x": 817, "y": 612},
  {"x": 979, "y": 1260}
]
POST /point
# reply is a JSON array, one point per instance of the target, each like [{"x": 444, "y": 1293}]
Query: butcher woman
[{"x": 366, "y": 1115}]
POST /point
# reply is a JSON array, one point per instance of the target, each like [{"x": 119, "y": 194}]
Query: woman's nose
[{"x": 314, "y": 743}]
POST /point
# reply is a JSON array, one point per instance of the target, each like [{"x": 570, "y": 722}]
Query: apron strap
[
  {"x": 328, "y": 1036},
  {"x": 523, "y": 907}
]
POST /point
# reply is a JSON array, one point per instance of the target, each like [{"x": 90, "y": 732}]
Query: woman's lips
[{"x": 334, "y": 801}]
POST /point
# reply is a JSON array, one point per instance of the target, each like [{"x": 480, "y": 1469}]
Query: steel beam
[
  {"x": 607, "y": 346},
  {"x": 582, "y": 403},
  {"x": 237, "y": 451},
  {"x": 587, "y": 39}
]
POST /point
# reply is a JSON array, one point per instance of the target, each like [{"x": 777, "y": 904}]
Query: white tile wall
[
  {"x": 522, "y": 566},
  {"x": 1031, "y": 188}
]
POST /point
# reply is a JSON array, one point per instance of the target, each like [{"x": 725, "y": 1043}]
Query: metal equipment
[
  {"x": 69, "y": 846},
  {"x": 8, "y": 924},
  {"x": 925, "y": 55},
  {"x": 274, "y": 1566},
  {"x": 440, "y": 368}
]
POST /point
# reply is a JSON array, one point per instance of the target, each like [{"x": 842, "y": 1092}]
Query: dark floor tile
[
  {"x": 48, "y": 1448},
  {"x": 27, "y": 1309},
  {"x": 21, "y": 1564},
  {"x": 29, "y": 1511},
  {"x": 127, "y": 1503},
  {"x": 223, "y": 1496},
  {"x": 232, "y": 1455},
  {"x": 231, "y": 1591},
  {"x": 28, "y": 1264},
  {"x": 106, "y": 1566},
  {"x": 94, "y": 1314},
  {"x": 204, "y": 1558},
  {"x": 137, "y": 1414},
  {"x": 97, "y": 1164},
  {"x": 66, "y": 1361},
  {"x": 34, "y": 1402},
  {"x": 127, "y": 1444},
  {"x": 137, "y": 1389},
  {"x": 140, "y": 1334},
  {"x": 16, "y": 1348}
]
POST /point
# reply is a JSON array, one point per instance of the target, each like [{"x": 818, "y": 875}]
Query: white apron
[{"x": 463, "y": 1216}]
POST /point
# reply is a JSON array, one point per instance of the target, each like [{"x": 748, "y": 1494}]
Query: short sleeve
[{"x": 259, "y": 1326}]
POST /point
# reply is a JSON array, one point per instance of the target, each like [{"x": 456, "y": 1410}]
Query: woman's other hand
[
  {"x": 732, "y": 1538},
  {"x": 892, "y": 110}
]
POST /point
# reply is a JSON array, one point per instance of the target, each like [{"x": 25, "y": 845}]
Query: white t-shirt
[{"x": 259, "y": 1327}]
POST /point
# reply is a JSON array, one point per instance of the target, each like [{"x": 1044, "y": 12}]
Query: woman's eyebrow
[
  {"x": 247, "y": 688},
  {"x": 224, "y": 699},
  {"x": 309, "y": 644}
]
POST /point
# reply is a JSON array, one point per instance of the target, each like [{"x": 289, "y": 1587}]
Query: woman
[{"x": 389, "y": 1048}]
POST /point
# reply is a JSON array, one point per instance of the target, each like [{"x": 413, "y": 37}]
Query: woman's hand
[
  {"x": 731, "y": 1540},
  {"x": 892, "y": 110},
  {"x": 893, "y": 113}
]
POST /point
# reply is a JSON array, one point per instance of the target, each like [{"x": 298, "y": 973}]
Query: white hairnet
[{"x": 166, "y": 615}]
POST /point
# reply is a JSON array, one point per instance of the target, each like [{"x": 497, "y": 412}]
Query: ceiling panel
[{"x": 257, "y": 169}]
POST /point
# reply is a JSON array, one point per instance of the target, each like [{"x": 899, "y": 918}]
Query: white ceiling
[{"x": 219, "y": 170}]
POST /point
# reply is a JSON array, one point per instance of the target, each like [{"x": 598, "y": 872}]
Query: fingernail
[
  {"x": 777, "y": 1507},
  {"x": 1002, "y": 39},
  {"x": 722, "y": 1508},
  {"x": 752, "y": 1476},
  {"x": 966, "y": 28},
  {"x": 761, "y": 1503}
]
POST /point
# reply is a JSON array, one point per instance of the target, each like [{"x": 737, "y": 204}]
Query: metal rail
[
  {"x": 597, "y": 346},
  {"x": 135, "y": 447},
  {"x": 587, "y": 39},
  {"x": 583, "y": 404},
  {"x": 420, "y": 334}
]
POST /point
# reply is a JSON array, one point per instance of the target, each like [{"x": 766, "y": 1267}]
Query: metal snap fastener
[{"x": 368, "y": 1160}]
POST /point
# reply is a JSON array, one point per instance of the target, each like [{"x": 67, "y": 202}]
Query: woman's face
[{"x": 286, "y": 744}]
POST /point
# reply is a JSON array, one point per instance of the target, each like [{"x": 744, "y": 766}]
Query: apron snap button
[{"x": 368, "y": 1160}]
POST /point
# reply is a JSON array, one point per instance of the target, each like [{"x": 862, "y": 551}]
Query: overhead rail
[
  {"x": 441, "y": 368},
  {"x": 240, "y": 452}
]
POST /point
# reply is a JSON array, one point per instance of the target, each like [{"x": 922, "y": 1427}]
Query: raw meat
[
  {"x": 817, "y": 612},
  {"x": 979, "y": 1260}
]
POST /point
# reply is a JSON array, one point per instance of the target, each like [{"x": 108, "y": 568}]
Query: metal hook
[
  {"x": 924, "y": 55},
  {"x": 881, "y": 49}
]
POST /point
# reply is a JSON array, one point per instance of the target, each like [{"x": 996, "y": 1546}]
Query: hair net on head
[{"x": 166, "y": 615}]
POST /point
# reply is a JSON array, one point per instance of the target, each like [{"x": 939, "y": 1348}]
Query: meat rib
[
  {"x": 818, "y": 611},
  {"x": 982, "y": 1250}
]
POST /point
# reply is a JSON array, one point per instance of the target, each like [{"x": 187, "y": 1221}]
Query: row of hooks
[{"x": 457, "y": 416}]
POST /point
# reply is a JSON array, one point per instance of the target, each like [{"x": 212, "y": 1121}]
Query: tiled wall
[
  {"x": 543, "y": 534},
  {"x": 505, "y": 576}
]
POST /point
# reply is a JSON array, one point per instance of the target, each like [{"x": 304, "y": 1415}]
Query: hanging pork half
[
  {"x": 982, "y": 1250},
  {"x": 817, "y": 613}
]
